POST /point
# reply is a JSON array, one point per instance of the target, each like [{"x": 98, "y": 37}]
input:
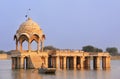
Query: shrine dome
[{"x": 29, "y": 28}]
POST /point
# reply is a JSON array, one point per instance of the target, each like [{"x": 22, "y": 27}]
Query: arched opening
[
  {"x": 33, "y": 45},
  {"x": 26, "y": 63},
  {"x": 34, "y": 42},
  {"x": 23, "y": 41},
  {"x": 50, "y": 62},
  {"x": 78, "y": 62},
  {"x": 43, "y": 60},
  {"x": 70, "y": 63},
  {"x": 25, "y": 45}
]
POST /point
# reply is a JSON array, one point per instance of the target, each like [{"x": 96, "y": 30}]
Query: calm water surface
[{"x": 7, "y": 73}]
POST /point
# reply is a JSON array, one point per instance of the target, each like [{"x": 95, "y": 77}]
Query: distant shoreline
[
  {"x": 5, "y": 57},
  {"x": 115, "y": 57}
]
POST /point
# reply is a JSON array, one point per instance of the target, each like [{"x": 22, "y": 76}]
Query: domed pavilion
[
  {"x": 60, "y": 59},
  {"x": 29, "y": 31}
]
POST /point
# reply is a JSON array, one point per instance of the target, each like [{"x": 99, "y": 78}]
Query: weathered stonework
[
  {"x": 29, "y": 31},
  {"x": 62, "y": 59}
]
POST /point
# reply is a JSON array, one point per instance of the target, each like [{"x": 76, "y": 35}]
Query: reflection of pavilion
[{"x": 30, "y": 31}]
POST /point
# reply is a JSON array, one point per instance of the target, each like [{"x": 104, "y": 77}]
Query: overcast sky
[{"x": 66, "y": 23}]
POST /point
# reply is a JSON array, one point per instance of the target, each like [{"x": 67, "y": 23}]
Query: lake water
[{"x": 7, "y": 73}]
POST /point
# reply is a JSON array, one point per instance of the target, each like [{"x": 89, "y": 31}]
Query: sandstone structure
[{"x": 61, "y": 59}]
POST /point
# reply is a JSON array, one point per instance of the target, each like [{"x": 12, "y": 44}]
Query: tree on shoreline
[
  {"x": 90, "y": 48},
  {"x": 50, "y": 48},
  {"x": 1, "y": 51},
  {"x": 112, "y": 50}
]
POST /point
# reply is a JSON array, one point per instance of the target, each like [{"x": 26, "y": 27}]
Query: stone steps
[{"x": 36, "y": 61}]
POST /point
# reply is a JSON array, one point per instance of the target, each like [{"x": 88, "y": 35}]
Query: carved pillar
[
  {"x": 42, "y": 45},
  {"x": 38, "y": 46},
  {"x": 57, "y": 62},
  {"x": 60, "y": 62},
  {"x": 64, "y": 64},
  {"x": 16, "y": 45},
  {"x": 46, "y": 62},
  {"x": 75, "y": 62},
  {"x": 20, "y": 46},
  {"x": 29, "y": 46},
  {"x": 82, "y": 62},
  {"x": 21, "y": 62},
  {"x": 106, "y": 62},
  {"x": 96, "y": 62}
]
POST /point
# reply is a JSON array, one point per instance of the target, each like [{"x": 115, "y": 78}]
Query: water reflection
[
  {"x": 61, "y": 74},
  {"x": 25, "y": 74},
  {"x": 7, "y": 73}
]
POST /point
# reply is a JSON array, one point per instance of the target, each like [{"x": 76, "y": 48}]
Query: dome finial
[{"x": 29, "y": 18}]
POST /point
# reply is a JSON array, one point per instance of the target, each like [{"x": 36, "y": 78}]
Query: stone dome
[
  {"x": 29, "y": 31},
  {"x": 29, "y": 28}
]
